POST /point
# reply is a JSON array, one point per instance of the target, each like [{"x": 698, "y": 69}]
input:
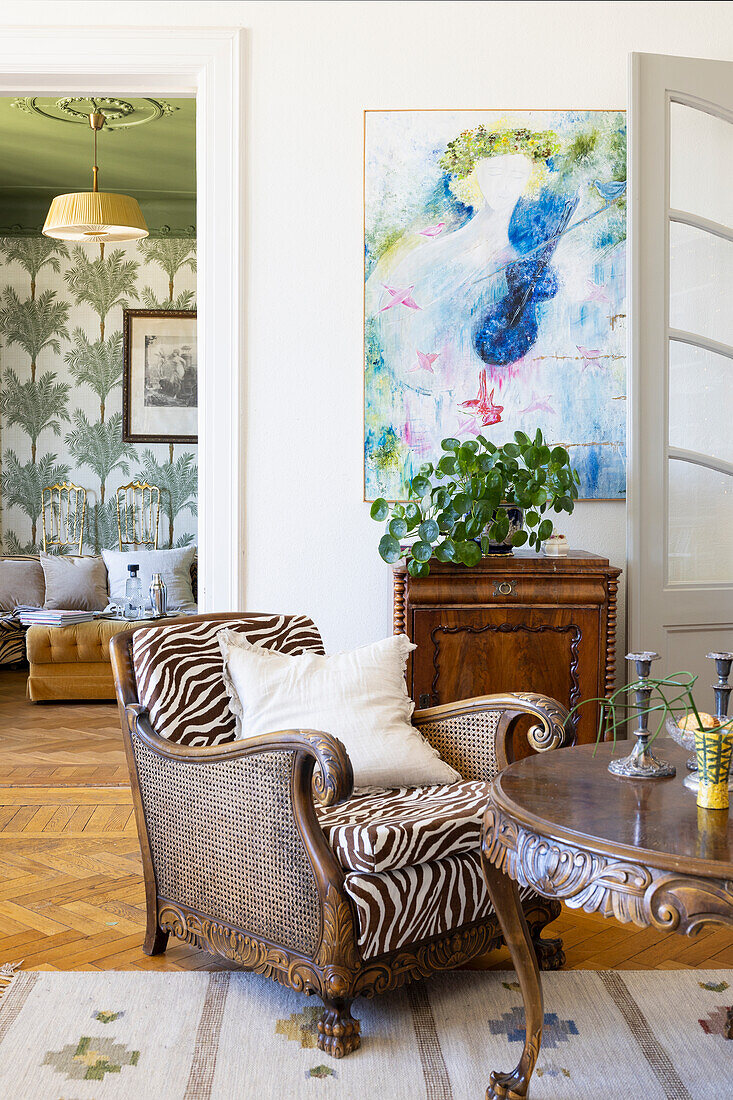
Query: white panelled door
[{"x": 681, "y": 394}]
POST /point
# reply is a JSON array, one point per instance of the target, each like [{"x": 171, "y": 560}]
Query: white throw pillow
[
  {"x": 359, "y": 697},
  {"x": 175, "y": 566}
]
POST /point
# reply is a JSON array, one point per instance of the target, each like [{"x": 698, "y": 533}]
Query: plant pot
[{"x": 516, "y": 523}]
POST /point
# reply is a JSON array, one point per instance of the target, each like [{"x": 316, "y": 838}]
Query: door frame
[
  {"x": 652, "y": 88},
  {"x": 209, "y": 64}
]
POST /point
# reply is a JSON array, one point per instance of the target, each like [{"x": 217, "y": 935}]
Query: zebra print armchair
[{"x": 259, "y": 850}]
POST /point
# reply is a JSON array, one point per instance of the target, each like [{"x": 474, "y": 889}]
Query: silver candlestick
[
  {"x": 641, "y": 763},
  {"x": 721, "y": 690}
]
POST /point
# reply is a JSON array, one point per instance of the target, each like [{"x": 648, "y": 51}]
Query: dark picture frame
[{"x": 159, "y": 375}]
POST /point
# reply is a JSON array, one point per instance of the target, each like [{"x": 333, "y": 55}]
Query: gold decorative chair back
[
  {"x": 138, "y": 511},
  {"x": 63, "y": 508}
]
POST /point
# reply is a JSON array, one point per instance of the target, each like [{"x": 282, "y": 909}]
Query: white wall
[{"x": 314, "y": 67}]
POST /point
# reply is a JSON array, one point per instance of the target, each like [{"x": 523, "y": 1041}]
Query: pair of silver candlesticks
[{"x": 642, "y": 763}]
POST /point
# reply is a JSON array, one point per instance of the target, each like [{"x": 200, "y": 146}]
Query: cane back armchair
[{"x": 259, "y": 850}]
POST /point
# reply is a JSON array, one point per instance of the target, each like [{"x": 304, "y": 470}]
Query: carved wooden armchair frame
[{"x": 253, "y": 801}]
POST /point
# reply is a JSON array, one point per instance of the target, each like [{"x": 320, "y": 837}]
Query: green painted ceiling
[{"x": 154, "y": 161}]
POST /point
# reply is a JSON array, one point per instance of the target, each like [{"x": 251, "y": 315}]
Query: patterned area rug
[{"x": 227, "y": 1035}]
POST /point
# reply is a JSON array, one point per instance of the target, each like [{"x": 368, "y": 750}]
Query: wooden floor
[{"x": 71, "y": 892}]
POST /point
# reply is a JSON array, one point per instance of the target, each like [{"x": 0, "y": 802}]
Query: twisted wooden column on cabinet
[{"x": 563, "y": 825}]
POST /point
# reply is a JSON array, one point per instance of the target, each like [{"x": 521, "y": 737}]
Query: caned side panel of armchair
[{"x": 478, "y": 736}]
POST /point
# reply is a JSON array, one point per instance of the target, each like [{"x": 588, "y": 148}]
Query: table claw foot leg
[
  {"x": 504, "y": 894},
  {"x": 729, "y": 1024},
  {"x": 507, "y": 1086}
]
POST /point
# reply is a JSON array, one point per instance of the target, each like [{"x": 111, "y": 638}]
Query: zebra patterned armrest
[{"x": 477, "y": 736}]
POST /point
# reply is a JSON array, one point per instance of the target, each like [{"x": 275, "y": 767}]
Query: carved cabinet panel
[{"x": 523, "y": 623}]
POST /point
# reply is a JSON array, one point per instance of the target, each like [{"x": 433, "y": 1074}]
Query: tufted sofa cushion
[
  {"x": 82, "y": 642},
  {"x": 179, "y": 671},
  {"x": 386, "y": 830}
]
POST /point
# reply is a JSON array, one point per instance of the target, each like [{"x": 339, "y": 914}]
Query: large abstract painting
[{"x": 495, "y": 293}]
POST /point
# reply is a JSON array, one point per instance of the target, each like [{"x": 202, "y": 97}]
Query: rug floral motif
[
  {"x": 91, "y": 1058},
  {"x": 301, "y": 1027},
  {"x": 554, "y": 1029}
]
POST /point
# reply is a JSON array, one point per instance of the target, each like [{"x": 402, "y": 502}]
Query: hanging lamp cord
[{"x": 96, "y": 121}]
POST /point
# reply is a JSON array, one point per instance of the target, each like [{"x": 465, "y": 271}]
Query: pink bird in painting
[
  {"x": 400, "y": 296},
  {"x": 596, "y": 292},
  {"x": 589, "y": 356},
  {"x": 538, "y": 405},
  {"x": 433, "y": 230},
  {"x": 482, "y": 405},
  {"x": 425, "y": 361}
]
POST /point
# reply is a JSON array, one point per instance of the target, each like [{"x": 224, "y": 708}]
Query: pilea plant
[{"x": 454, "y": 513}]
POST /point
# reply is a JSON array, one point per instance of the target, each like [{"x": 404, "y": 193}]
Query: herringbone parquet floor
[{"x": 71, "y": 892}]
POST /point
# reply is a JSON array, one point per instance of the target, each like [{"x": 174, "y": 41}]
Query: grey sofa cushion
[
  {"x": 74, "y": 583},
  {"x": 21, "y": 582}
]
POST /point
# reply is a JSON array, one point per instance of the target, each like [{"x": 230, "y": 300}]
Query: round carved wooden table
[{"x": 636, "y": 850}]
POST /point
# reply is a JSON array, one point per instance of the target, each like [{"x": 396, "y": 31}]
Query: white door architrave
[
  {"x": 680, "y": 505},
  {"x": 207, "y": 63}
]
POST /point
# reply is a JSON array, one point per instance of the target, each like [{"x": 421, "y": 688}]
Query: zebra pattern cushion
[
  {"x": 405, "y": 907},
  {"x": 179, "y": 671},
  {"x": 12, "y": 641},
  {"x": 387, "y": 830}
]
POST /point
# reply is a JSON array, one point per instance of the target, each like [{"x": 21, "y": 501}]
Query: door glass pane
[
  {"x": 700, "y": 520},
  {"x": 700, "y": 400},
  {"x": 700, "y": 282},
  {"x": 700, "y": 164}
]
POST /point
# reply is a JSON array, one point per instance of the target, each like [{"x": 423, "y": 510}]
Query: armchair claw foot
[
  {"x": 549, "y": 952},
  {"x": 729, "y": 1024},
  {"x": 338, "y": 1031}
]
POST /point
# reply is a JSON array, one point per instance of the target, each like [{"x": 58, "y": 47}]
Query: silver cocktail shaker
[{"x": 158, "y": 596}]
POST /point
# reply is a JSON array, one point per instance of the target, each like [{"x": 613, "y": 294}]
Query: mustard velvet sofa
[{"x": 71, "y": 662}]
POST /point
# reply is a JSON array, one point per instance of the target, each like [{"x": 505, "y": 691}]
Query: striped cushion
[
  {"x": 383, "y": 831},
  {"x": 179, "y": 677},
  {"x": 405, "y": 907},
  {"x": 12, "y": 641}
]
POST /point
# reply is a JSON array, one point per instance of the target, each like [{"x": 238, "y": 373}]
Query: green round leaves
[
  {"x": 417, "y": 568},
  {"x": 446, "y": 551},
  {"x": 461, "y": 497},
  {"x": 423, "y": 551},
  {"x": 420, "y": 486},
  {"x": 469, "y": 553},
  {"x": 389, "y": 549},
  {"x": 428, "y": 530}
]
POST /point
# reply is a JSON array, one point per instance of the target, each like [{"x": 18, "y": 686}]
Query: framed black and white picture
[{"x": 159, "y": 380}]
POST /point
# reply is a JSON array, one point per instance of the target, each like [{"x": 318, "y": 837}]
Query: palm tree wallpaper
[{"x": 61, "y": 383}]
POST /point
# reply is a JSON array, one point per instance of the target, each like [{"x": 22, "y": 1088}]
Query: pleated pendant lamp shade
[{"x": 95, "y": 216}]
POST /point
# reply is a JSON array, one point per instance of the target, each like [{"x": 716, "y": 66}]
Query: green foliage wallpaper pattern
[{"x": 61, "y": 383}]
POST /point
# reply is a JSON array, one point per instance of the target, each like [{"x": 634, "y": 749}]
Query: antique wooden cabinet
[{"x": 512, "y": 623}]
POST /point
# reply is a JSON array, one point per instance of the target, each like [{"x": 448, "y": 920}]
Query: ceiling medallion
[{"x": 119, "y": 114}]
